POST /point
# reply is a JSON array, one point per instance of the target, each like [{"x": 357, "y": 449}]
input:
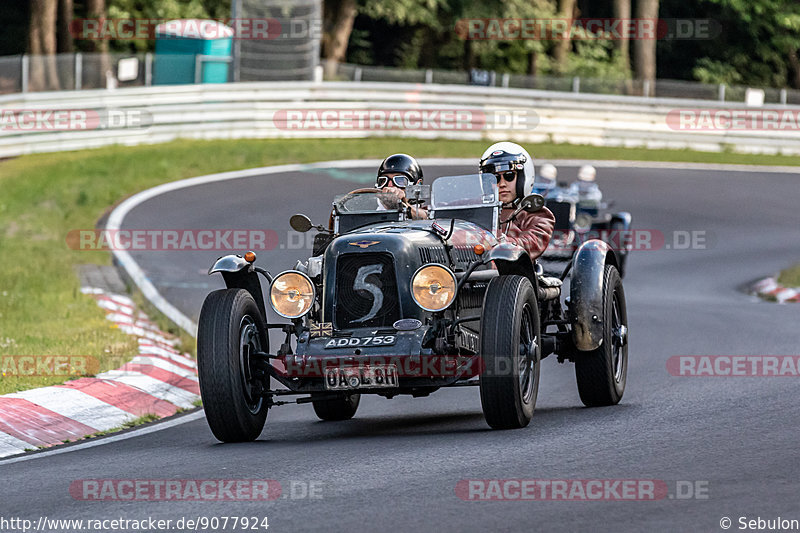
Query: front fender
[
  {"x": 238, "y": 273},
  {"x": 586, "y": 293},
  {"x": 512, "y": 259}
]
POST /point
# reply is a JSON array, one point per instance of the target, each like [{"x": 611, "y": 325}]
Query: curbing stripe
[
  {"x": 75, "y": 405},
  {"x": 123, "y": 396},
  {"x": 36, "y": 425}
]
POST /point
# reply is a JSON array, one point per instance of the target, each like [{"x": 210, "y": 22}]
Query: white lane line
[
  {"x": 107, "y": 440},
  {"x": 153, "y": 387},
  {"x": 77, "y": 406},
  {"x": 10, "y": 445}
]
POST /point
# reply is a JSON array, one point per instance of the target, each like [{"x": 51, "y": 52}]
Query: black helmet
[{"x": 402, "y": 164}]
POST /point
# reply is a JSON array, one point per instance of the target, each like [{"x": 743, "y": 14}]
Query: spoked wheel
[
  {"x": 511, "y": 348},
  {"x": 602, "y": 373},
  {"x": 230, "y": 331},
  {"x": 343, "y": 408}
]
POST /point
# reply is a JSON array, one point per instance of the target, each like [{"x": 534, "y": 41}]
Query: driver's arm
[{"x": 532, "y": 231}]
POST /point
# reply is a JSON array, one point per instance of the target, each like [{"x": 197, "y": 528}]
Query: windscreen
[
  {"x": 365, "y": 202},
  {"x": 476, "y": 190}
]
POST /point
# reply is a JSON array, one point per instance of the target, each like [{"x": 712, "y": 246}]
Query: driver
[
  {"x": 397, "y": 172},
  {"x": 512, "y": 166}
]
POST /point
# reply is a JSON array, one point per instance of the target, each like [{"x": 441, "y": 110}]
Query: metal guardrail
[{"x": 248, "y": 110}]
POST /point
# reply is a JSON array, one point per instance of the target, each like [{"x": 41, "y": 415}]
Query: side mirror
[
  {"x": 532, "y": 203},
  {"x": 300, "y": 223},
  {"x": 418, "y": 194}
]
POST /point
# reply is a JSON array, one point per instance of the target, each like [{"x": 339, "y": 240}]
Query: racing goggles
[{"x": 400, "y": 181}]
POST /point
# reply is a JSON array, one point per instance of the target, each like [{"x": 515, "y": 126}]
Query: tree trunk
[
  {"x": 65, "y": 12},
  {"x": 566, "y": 10},
  {"x": 338, "y": 17},
  {"x": 42, "y": 43},
  {"x": 96, "y": 9},
  {"x": 794, "y": 65},
  {"x": 622, "y": 11},
  {"x": 644, "y": 50}
]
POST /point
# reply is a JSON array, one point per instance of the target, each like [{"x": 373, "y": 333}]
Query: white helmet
[
  {"x": 510, "y": 156},
  {"x": 587, "y": 173},
  {"x": 548, "y": 171}
]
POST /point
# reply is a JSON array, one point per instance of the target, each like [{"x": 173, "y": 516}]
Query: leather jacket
[{"x": 532, "y": 231}]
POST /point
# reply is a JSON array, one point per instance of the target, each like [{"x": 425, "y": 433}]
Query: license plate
[
  {"x": 375, "y": 376},
  {"x": 352, "y": 342}
]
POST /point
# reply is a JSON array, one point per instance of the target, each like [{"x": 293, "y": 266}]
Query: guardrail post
[
  {"x": 783, "y": 96},
  {"x": 148, "y": 69},
  {"x": 646, "y": 88},
  {"x": 492, "y": 79},
  {"x": 576, "y": 84},
  {"x": 721, "y": 92},
  {"x": 357, "y": 74},
  {"x": 26, "y": 63},
  {"x": 506, "y": 79},
  {"x": 198, "y": 66},
  {"x": 78, "y": 70},
  {"x": 429, "y": 76}
]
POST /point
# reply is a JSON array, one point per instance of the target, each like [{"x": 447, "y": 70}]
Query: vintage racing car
[
  {"x": 579, "y": 220},
  {"x": 389, "y": 306}
]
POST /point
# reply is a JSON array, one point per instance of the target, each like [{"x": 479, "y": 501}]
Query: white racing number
[{"x": 361, "y": 284}]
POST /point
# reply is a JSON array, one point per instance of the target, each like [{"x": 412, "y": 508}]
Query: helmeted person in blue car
[
  {"x": 545, "y": 181},
  {"x": 589, "y": 194}
]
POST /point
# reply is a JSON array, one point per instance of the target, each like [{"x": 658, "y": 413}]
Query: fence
[{"x": 95, "y": 70}]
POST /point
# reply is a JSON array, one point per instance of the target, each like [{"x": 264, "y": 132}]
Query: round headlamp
[
  {"x": 291, "y": 294},
  {"x": 583, "y": 222},
  {"x": 433, "y": 287}
]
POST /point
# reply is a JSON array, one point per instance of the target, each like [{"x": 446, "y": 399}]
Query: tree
[
  {"x": 644, "y": 50},
  {"x": 96, "y": 9},
  {"x": 622, "y": 11},
  {"x": 337, "y": 24},
  {"x": 65, "y": 15},
  {"x": 42, "y": 45},
  {"x": 566, "y": 10}
]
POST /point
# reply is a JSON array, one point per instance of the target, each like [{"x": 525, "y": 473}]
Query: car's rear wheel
[
  {"x": 511, "y": 348},
  {"x": 229, "y": 332},
  {"x": 602, "y": 373},
  {"x": 332, "y": 409}
]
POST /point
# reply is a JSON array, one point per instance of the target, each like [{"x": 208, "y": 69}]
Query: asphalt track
[{"x": 395, "y": 466}]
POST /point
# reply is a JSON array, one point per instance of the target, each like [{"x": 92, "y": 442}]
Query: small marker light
[
  {"x": 478, "y": 249},
  {"x": 250, "y": 257}
]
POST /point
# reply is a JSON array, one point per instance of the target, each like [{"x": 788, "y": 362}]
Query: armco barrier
[{"x": 247, "y": 110}]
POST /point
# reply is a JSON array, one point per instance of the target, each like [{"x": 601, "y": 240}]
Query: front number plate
[
  {"x": 376, "y": 376},
  {"x": 352, "y": 342}
]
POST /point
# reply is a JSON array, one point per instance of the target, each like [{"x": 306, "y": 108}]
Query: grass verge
[{"x": 44, "y": 196}]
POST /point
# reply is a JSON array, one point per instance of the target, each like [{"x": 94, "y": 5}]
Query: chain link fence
[{"x": 27, "y": 73}]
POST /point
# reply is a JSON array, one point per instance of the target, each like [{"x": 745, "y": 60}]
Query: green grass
[
  {"x": 44, "y": 196},
  {"x": 790, "y": 277}
]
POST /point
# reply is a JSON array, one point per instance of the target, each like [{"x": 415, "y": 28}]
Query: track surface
[{"x": 395, "y": 466}]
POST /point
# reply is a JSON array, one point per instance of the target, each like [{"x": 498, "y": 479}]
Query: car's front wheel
[
  {"x": 602, "y": 373},
  {"x": 511, "y": 349},
  {"x": 229, "y": 333}
]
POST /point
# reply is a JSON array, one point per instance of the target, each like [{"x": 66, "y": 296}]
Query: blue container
[{"x": 180, "y": 42}]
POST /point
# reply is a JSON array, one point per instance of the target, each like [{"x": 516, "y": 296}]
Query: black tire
[
  {"x": 622, "y": 252},
  {"x": 602, "y": 373},
  {"x": 511, "y": 347},
  {"x": 230, "y": 327},
  {"x": 343, "y": 408}
]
